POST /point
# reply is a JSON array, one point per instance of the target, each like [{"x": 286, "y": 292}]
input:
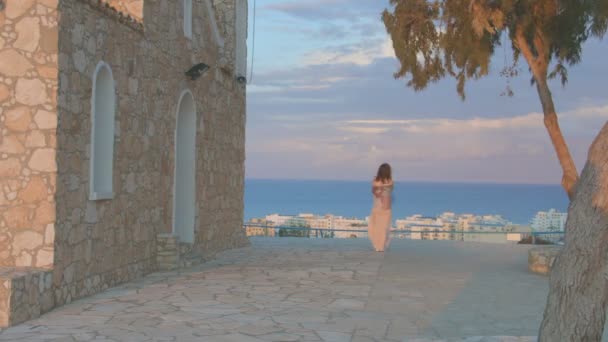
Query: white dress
[{"x": 380, "y": 218}]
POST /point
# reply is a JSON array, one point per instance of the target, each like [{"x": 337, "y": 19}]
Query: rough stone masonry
[{"x": 57, "y": 241}]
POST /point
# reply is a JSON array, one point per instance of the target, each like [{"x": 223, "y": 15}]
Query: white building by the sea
[
  {"x": 551, "y": 220},
  {"x": 343, "y": 227},
  {"x": 461, "y": 227},
  {"x": 447, "y": 226}
]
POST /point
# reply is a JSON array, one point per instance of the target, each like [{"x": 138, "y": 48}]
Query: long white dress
[{"x": 380, "y": 218}]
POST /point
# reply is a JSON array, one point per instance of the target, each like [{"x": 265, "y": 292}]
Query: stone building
[{"x": 114, "y": 161}]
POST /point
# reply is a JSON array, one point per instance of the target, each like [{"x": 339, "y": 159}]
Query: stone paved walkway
[{"x": 291, "y": 289}]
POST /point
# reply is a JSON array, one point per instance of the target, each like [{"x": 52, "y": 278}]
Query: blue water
[{"x": 517, "y": 203}]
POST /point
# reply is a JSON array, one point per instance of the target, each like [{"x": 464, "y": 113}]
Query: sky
[{"x": 322, "y": 103}]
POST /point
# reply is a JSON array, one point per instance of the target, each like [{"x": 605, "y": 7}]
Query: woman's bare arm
[{"x": 376, "y": 188}]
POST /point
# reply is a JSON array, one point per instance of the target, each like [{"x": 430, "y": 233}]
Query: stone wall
[
  {"x": 225, "y": 13},
  {"x": 103, "y": 243},
  {"x": 100, "y": 243},
  {"x": 28, "y": 119},
  {"x": 47, "y": 218},
  {"x": 25, "y": 293}
]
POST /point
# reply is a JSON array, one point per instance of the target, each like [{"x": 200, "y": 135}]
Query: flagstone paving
[{"x": 290, "y": 289}]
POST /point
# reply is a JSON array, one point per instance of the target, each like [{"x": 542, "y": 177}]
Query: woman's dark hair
[{"x": 384, "y": 173}]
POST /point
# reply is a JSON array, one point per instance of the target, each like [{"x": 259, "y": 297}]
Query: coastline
[{"x": 515, "y": 202}]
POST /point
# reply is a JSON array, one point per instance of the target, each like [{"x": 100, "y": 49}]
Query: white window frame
[
  {"x": 241, "y": 38},
  {"x": 101, "y": 194},
  {"x": 187, "y": 16}
]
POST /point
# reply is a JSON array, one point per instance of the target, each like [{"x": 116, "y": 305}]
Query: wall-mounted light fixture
[
  {"x": 241, "y": 79},
  {"x": 197, "y": 71}
]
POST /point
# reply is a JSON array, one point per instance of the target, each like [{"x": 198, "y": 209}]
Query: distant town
[{"x": 545, "y": 225}]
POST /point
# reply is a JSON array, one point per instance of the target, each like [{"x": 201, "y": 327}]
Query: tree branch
[
  {"x": 524, "y": 48},
  {"x": 539, "y": 64},
  {"x": 542, "y": 56}
]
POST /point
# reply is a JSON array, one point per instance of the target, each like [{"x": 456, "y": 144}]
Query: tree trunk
[
  {"x": 570, "y": 176},
  {"x": 578, "y": 284},
  {"x": 538, "y": 65}
]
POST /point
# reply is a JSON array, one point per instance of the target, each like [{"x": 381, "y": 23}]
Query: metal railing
[{"x": 547, "y": 237}]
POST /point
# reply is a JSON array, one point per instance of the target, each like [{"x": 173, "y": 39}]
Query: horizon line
[{"x": 404, "y": 181}]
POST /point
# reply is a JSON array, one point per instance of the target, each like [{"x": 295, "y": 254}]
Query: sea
[{"x": 517, "y": 203}]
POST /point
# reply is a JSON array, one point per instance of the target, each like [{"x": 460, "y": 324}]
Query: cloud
[
  {"x": 257, "y": 88},
  {"x": 462, "y": 126},
  {"x": 359, "y": 54},
  {"x": 364, "y": 130},
  {"x": 465, "y": 149},
  {"x": 335, "y": 79},
  {"x": 311, "y": 87},
  {"x": 313, "y": 9},
  {"x": 253, "y": 89},
  {"x": 352, "y": 10},
  {"x": 452, "y": 126},
  {"x": 586, "y": 112},
  {"x": 302, "y": 100}
]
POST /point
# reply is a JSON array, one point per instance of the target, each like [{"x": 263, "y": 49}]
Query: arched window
[
  {"x": 187, "y": 5},
  {"x": 241, "y": 38},
  {"x": 103, "y": 105},
  {"x": 184, "y": 187}
]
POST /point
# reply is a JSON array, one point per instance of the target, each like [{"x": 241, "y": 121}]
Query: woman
[{"x": 380, "y": 218}]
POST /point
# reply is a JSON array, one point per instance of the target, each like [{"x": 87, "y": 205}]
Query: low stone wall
[
  {"x": 540, "y": 259},
  {"x": 25, "y": 293},
  {"x": 167, "y": 252},
  {"x": 172, "y": 254}
]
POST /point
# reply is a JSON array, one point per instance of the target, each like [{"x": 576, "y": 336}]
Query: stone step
[
  {"x": 172, "y": 254},
  {"x": 540, "y": 259}
]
